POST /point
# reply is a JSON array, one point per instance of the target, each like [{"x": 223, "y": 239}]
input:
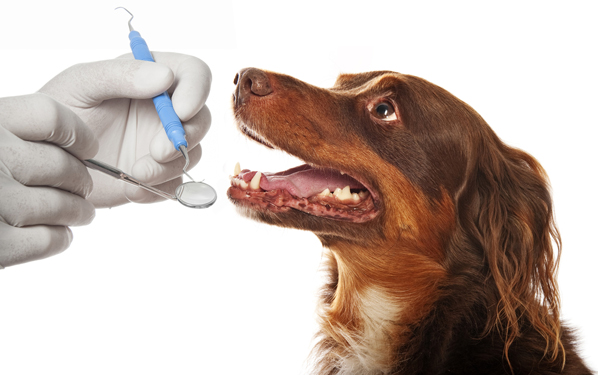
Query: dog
[{"x": 438, "y": 237}]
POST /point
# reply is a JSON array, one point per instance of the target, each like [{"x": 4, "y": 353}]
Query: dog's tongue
[{"x": 304, "y": 181}]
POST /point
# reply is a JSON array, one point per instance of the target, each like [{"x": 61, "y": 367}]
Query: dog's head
[
  {"x": 371, "y": 132},
  {"x": 420, "y": 178}
]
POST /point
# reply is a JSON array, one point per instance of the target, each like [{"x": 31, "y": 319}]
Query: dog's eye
[{"x": 384, "y": 111}]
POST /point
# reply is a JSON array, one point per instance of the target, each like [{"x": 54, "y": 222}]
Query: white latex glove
[
  {"x": 43, "y": 136},
  {"x": 129, "y": 131},
  {"x": 43, "y": 184}
]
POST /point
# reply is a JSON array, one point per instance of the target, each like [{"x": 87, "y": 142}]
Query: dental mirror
[
  {"x": 192, "y": 194},
  {"x": 195, "y": 194}
]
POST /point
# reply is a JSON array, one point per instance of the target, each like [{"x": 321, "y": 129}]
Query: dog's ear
[{"x": 506, "y": 211}]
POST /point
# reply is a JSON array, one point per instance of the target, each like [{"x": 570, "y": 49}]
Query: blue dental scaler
[{"x": 171, "y": 122}]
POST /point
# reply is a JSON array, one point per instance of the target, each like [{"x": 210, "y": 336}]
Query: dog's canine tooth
[
  {"x": 237, "y": 169},
  {"x": 255, "y": 181}
]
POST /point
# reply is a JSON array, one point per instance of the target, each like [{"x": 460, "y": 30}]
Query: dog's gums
[{"x": 320, "y": 192}]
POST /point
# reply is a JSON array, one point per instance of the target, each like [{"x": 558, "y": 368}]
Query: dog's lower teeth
[
  {"x": 343, "y": 194},
  {"x": 325, "y": 193},
  {"x": 346, "y": 193}
]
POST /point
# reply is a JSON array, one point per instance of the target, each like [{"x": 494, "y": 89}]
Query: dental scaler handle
[{"x": 171, "y": 122}]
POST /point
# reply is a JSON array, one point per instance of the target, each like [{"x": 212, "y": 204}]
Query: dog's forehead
[{"x": 362, "y": 81}]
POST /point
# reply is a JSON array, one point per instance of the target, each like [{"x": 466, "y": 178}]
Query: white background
[{"x": 159, "y": 288}]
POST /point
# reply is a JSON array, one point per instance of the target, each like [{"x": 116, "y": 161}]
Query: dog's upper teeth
[
  {"x": 237, "y": 170},
  {"x": 255, "y": 181}
]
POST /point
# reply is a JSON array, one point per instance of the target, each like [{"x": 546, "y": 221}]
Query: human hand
[
  {"x": 113, "y": 98},
  {"x": 43, "y": 185}
]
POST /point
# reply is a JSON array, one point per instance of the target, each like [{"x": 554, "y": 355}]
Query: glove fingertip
[
  {"x": 33, "y": 243},
  {"x": 193, "y": 88},
  {"x": 69, "y": 236},
  {"x": 57, "y": 239}
]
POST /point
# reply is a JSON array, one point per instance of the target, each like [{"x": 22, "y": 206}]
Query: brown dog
[{"x": 438, "y": 235}]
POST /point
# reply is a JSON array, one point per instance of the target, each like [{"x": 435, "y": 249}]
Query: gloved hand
[
  {"x": 103, "y": 105},
  {"x": 43, "y": 184},
  {"x": 113, "y": 98}
]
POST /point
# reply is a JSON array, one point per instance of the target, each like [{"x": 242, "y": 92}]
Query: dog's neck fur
[
  {"x": 360, "y": 326},
  {"x": 369, "y": 304},
  {"x": 364, "y": 319},
  {"x": 374, "y": 352}
]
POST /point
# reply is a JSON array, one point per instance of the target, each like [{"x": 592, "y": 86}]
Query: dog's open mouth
[
  {"x": 310, "y": 188},
  {"x": 320, "y": 192}
]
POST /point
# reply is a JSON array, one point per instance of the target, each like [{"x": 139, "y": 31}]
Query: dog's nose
[{"x": 252, "y": 81}]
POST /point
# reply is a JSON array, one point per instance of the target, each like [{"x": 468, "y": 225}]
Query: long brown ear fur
[{"x": 506, "y": 211}]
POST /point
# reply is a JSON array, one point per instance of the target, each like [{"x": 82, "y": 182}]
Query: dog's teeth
[
  {"x": 346, "y": 194},
  {"x": 255, "y": 181},
  {"x": 237, "y": 170},
  {"x": 355, "y": 197},
  {"x": 244, "y": 184},
  {"x": 343, "y": 194},
  {"x": 325, "y": 193}
]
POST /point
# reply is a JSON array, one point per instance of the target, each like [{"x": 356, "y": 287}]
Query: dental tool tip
[
  {"x": 183, "y": 150},
  {"x": 130, "y": 19}
]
